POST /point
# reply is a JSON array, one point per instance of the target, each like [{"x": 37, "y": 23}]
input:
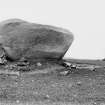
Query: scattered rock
[
  {"x": 21, "y": 39},
  {"x": 79, "y": 83},
  {"x": 64, "y": 73},
  {"x": 38, "y": 64}
]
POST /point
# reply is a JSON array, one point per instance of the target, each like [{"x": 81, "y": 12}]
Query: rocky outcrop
[{"x": 21, "y": 39}]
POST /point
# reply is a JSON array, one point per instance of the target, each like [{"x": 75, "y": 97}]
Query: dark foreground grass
[{"x": 80, "y": 87}]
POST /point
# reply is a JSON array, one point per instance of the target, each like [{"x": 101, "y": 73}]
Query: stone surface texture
[{"x": 21, "y": 39}]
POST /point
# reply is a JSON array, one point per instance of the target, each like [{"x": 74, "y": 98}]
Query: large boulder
[{"x": 21, "y": 39}]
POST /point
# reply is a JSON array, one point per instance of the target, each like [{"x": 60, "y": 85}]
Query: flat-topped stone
[{"x": 21, "y": 39}]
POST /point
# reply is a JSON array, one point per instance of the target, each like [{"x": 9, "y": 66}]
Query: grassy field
[{"x": 80, "y": 87}]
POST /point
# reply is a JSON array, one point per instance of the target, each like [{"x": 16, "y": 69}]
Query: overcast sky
[{"x": 84, "y": 18}]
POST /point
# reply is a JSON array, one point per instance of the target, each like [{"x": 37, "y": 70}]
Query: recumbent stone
[{"x": 24, "y": 40}]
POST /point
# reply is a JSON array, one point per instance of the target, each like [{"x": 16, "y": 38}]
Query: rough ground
[{"x": 46, "y": 85}]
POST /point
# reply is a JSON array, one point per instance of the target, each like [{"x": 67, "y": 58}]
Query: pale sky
[{"x": 84, "y": 18}]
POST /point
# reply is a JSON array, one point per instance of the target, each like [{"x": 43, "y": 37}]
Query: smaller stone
[
  {"x": 64, "y": 73},
  {"x": 47, "y": 96},
  {"x": 79, "y": 83},
  {"x": 66, "y": 64},
  {"x": 38, "y": 64},
  {"x": 32, "y": 80},
  {"x": 17, "y": 101},
  {"x": 2, "y": 56},
  {"x": 3, "y": 61}
]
